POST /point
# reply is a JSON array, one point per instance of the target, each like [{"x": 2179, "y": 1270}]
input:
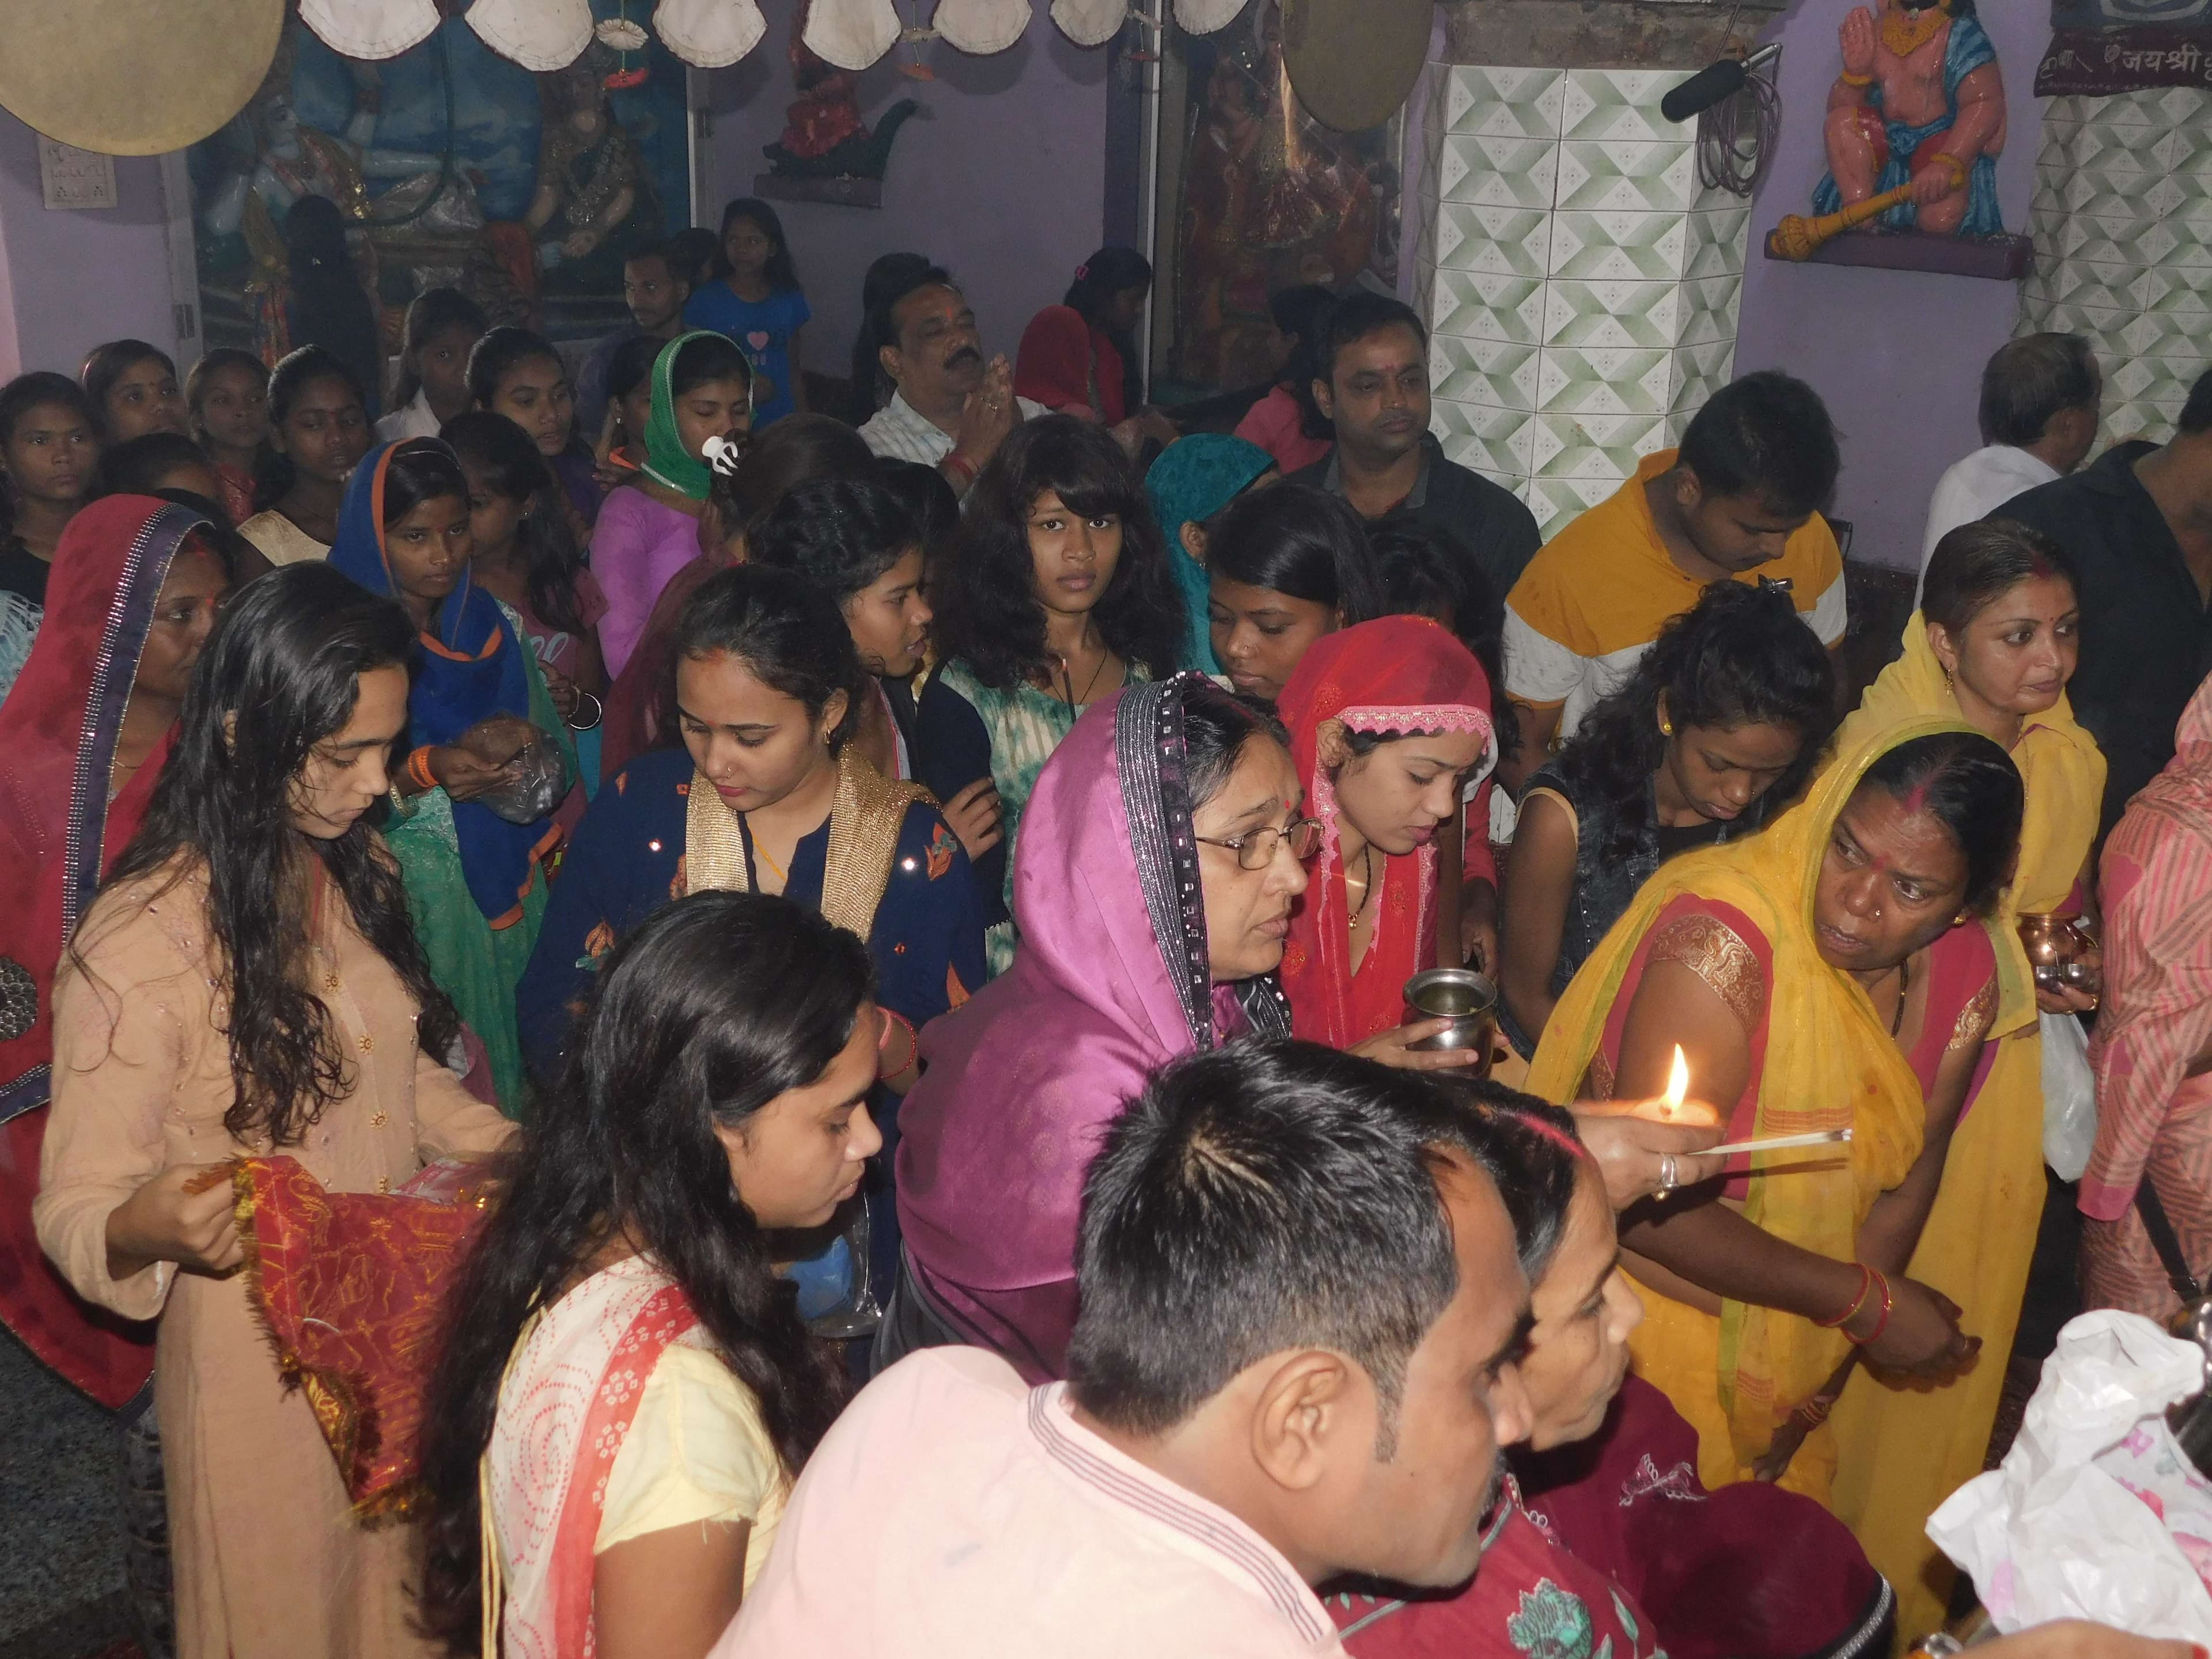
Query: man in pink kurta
[{"x": 1296, "y": 1359}]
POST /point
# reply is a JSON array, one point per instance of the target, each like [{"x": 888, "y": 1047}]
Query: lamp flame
[{"x": 1678, "y": 1085}]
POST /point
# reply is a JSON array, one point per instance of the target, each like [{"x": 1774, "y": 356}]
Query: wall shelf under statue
[
  {"x": 2002, "y": 258},
  {"x": 848, "y": 191}
]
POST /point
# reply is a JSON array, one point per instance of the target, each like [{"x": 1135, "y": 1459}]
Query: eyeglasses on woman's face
[{"x": 1255, "y": 848}]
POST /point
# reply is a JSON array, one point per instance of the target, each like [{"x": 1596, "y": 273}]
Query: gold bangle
[
  {"x": 1958, "y": 168},
  {"x": 1851, "y": 80}
]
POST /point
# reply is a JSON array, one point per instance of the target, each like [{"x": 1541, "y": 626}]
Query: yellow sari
[
  {"x": 1902, "y": 1449},
  {"x": 1830, "y": 1063}
]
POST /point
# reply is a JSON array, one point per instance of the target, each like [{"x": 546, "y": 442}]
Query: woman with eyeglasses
[
  {"x": 1161, "y": 852},
  {"x": 1390, "y": 725}
]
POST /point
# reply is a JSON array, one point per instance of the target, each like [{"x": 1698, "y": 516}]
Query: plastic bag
[
  {"x": 2070, "y": 1097},
  {"x": 2095, "y": 1513},
  {"x": 540, "y": 773}
]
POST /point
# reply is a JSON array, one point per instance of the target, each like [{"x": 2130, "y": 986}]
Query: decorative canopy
[{"x": 551, "y": 35}]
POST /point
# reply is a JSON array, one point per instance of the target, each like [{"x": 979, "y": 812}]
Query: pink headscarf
[
  {"x": 1110, "y": 983},
  {"x": 2157, "y": 883}
]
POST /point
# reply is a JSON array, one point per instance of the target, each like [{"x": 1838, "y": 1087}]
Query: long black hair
[
  {"x": 717, "y": 1005},
  {"x": 104, "y": 365},
  {"x": 512, "y": 467},
  {"x": 1741, "y": 656},
  {"x": 987, "y": 611},
  {"x": 274, "y": 474},
  {"x": 1109, "y": 272},
  {"x": 779, "y": 273},
  {"x": 787, "y": 631},
  {"x": 26, "y": 392},
  {"x": 329, "y": 306},
  {"x": 1302, "y": 541},
  {"x": 281, "y": 675}
]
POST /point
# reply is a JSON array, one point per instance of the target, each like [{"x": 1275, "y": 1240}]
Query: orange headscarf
[{"x": 1399, "y": 674}]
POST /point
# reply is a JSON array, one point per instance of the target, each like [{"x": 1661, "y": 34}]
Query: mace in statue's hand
[
  {"x": 1858, "y": 39},
  {"x": 1931, "y": 185}
]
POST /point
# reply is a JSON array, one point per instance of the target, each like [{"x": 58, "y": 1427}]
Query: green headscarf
[
  {"x": 1193, "y": 480},
  {"x": 667, "y": 460}
]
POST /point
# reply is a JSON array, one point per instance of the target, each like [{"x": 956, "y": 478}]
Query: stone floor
[{"x": 61, "y": 1526}]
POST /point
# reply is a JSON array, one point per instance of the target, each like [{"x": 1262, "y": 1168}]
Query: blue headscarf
[
  {"x": 471, "y": 668},
  {"x": 1193, "y": 480}
]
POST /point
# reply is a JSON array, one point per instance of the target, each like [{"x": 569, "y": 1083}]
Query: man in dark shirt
[
  {"x": 2138, "y": 524},
  {"x": 1373, "y": 356}
]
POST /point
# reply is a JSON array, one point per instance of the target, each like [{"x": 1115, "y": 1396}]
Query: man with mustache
[
  {"x": 1298, "y": 1357},
  {"x": 952, "y": 410},
  {"x": 1373, "y": 383}
]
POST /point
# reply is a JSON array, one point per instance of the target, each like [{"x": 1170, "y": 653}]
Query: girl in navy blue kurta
[{"x": 628, "y": 859}]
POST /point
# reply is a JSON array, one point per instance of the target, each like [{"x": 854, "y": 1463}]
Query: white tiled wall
[
  {"x": 2121, "y": 220},
  {"x": 1582, "y": 288}
]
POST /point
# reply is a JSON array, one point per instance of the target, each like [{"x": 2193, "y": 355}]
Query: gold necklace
[
  {"x": 760, "y": 851},
  {"x": 1905, "y": 32},
  {"x": 1366, "y": 881}
]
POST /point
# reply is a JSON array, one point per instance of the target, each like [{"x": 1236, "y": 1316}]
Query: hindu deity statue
[
  {"x": 1272, "y": 198},
  {"x": 277, "y": 158},
  {"x": 1919, "y": 102},
  {"x": 593, "y": 203}
]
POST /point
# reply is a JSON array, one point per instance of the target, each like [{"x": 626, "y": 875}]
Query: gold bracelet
[
  {"x": 1851, "y": 80},
  {"x": 1958, "y": 168}
]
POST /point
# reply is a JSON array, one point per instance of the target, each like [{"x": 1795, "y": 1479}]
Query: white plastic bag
[
  {"x": 2070, "y": 1097},
  {"x": 2095, "y": 1513}
]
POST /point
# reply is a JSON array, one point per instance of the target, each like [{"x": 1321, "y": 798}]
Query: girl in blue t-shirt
[{"x": 756, "y": 300}]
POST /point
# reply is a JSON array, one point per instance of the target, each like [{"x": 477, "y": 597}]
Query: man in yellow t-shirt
[{"x": 1739, "y": 502}]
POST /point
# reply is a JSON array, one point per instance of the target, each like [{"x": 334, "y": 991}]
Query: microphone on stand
[{"x": 1713, "y": 84}]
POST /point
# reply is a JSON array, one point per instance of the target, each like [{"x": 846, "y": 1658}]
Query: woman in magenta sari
[
  {"x": 2153, "y": 1050},
  {"x": 1160, "y": 854}
]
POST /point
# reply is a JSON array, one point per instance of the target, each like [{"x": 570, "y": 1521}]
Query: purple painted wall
[
  {"x": 1001, "y": 177},
  {"x": 1897, "y": 354},
  {"x": 70, "y": 280}
]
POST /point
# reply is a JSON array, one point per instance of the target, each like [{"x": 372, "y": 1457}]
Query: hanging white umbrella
[
  {"x": 370, "y": 29},
  {"x": 709, "y": 34},
  {"x": 981, "y": 28},
  {"x": 1089, "y": 23},
  {"x": 851, "y": 33},
  {"x": 538, "y": 34}
]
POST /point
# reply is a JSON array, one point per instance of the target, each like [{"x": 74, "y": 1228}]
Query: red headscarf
[
  {"x": 59, "y": 833},
  {"x": 1399, "y": 674}
]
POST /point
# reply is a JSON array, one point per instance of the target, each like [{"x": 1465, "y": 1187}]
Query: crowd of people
[{"x": 897, "y": 924}]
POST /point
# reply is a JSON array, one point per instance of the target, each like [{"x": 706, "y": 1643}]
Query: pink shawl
[
  {"x": 2157, "y": 885},
  {"x": 1110, "y": 981}
]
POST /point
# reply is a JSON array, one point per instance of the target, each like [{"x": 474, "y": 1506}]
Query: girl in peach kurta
[{"x": 268, "y": 1558}]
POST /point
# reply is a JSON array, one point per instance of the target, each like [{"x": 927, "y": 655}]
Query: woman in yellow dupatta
[
  {"x": 1994, "y": 644},
  {"x": 1816, "y": 978}
]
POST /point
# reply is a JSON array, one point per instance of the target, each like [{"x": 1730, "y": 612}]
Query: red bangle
[
  {"x": 1866, "y": 1284},
  {"x": 961, "y": 465},
  {"x": 1881, "y": 1325},
  {"x": 418, "y": 769}
]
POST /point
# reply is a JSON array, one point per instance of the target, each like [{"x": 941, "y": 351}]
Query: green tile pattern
[
  {"x": 2121, "y": 217},
  {"x": 1581, "y": 286}
]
